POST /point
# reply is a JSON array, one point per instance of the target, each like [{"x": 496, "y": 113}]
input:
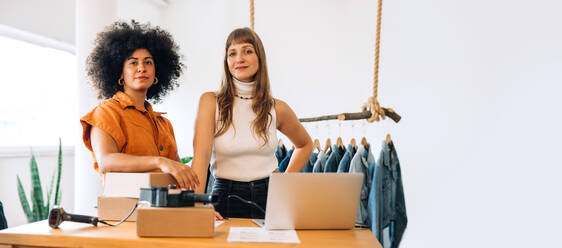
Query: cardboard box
[
  {"x": 116, "y": 208},
  {"x": 129, "y": 184},
  {"x": 197, "y": 221}
]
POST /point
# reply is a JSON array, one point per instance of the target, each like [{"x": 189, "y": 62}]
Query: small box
[
  {"x": 197, "y": 221},
  {"x": 129, "y": 184},
  {"x": 116, "y": 208}
]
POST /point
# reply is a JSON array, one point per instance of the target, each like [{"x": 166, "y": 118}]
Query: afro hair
[{"x": 117, "y": 42}]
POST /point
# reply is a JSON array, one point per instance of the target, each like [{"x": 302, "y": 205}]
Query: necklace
[{"x": 244, "y": 97}]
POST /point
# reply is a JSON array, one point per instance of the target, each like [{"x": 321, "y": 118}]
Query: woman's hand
[{"x": 183, "y": 174}]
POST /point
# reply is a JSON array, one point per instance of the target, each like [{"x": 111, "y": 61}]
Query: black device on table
[
  {"x": 57, "y": 215},
  {"x": 171, "y": 196}
]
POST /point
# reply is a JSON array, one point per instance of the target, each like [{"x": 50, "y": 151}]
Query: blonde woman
[{"x": 236, "y": 131}]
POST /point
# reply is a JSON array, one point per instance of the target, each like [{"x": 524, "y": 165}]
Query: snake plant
[
  {"x": 186, "y": 160},
  {"x": 39, "y": 206}
]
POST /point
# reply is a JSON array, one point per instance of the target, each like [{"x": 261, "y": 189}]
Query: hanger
[
  {"x": 339, "y": 143},
  {"x": 389, "y": 141},
  {"x": 365, "y": 143},
  {"x": 328, "y": 145},
  {"x": 353, "y": 143},
  {"x": 316, "y": 145}
]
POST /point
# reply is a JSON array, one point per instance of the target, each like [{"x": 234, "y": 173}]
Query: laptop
[{"x": 312, "y": 200}]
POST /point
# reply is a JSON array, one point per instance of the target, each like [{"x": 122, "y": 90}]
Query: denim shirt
[
  {"x": 343, "y": 167},
  {"x": 319, "y": 165},
  {"x": 285, "y": 162},
  {"x": 387, "y": 207},
  {"x": 334, "y": 159},
  {"x": 310, "y": 164},
  {"x": 360, "y": 163},
  {"x": 280, "y": 153}
]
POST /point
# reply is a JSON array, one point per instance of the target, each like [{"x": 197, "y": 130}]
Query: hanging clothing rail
[{"x": 354, "y": 116}]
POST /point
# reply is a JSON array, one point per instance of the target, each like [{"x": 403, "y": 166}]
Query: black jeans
[{"x": 255, "y": 191}]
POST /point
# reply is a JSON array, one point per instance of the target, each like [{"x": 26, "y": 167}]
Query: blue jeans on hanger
[
  {"x": 280, "y": 153},
  {"x": 310, "y": 164},
  {"x": 387, "y": 207},
  {"x": 319, "y": 165},
  {"x": 334, "y": 159},
  {"x": 361, "y": 162},
  {"x": 343, "y": 167},
  {"x": 285, "y": 162}
]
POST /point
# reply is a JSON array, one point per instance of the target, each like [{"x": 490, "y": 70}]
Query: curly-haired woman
[{"x": 130, "y": 64}]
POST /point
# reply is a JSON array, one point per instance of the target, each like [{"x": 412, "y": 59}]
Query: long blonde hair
[{"x": 262, "y": 101}]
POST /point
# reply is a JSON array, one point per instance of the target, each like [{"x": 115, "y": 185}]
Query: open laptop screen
[{"x": 313, "y": 200}]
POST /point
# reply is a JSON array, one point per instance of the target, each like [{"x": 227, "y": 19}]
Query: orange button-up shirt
[{"x": 135, "y": 131}]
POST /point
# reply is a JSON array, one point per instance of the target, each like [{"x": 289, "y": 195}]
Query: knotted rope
[
  {"x": 373, "y": 104},
  {"x": 252, "y": 14}
]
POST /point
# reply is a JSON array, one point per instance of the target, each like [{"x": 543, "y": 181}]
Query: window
[{"x": 38, "y": 100}]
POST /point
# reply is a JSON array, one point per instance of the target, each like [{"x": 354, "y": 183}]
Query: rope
[
  {"x": 252, "y": 14},
  {"x": 373, "y": 104}
]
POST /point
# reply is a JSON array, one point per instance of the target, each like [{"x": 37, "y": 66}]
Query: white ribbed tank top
[{"x": 238, "y": 154}]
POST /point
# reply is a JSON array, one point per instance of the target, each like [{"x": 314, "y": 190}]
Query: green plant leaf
[
  {"x": 59, "y": 170},
  {"x": 23, "y": 201},
  {"x": 186, "y": 160},
  {"x": 36, "y": 189},
  {"x": 36, "y": 214},
  {"x": 50, "y": 192},
  {"x": 34, "y": 209},
  {"x": 58, "y": 199}
]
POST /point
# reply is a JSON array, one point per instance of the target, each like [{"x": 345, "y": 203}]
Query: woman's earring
[
  {"x": 121, "y": 81},
  {"x": 155, "y": 80}
]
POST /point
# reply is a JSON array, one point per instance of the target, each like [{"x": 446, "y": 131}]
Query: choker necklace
[{"x": 243, "y": 97}]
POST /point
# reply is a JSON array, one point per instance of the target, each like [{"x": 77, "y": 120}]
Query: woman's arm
[
  {"x": 203, "y": 138},
  {"x": 111, "y": 160},
  {"x": 288, "y": 124}
]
